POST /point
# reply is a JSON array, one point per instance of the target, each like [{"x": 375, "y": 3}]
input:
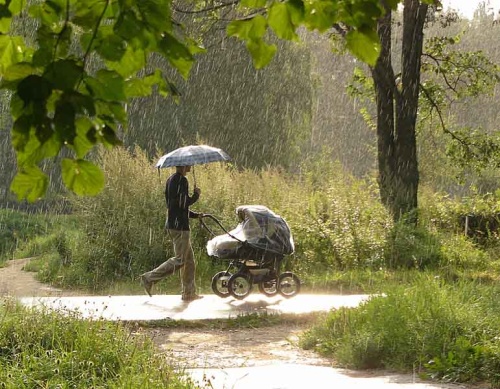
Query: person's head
[{"x": 183, "y": 169}]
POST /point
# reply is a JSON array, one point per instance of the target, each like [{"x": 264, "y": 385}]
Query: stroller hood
[{"x": 260, "y": 227}]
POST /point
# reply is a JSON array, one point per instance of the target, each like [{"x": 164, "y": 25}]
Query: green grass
[
  {"x": 439, "y": 329},
  {"x": 243, "y": 321},
  {"x": 41, "y": 349},
  {"x": 439, "y": 316}
]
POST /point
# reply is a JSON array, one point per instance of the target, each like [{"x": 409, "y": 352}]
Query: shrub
[{"x": 410, "y": 246}]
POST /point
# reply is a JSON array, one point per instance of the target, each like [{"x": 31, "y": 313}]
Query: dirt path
[
  {"x": 204, "y": 348},
  {"x": 18, "y": 283}
]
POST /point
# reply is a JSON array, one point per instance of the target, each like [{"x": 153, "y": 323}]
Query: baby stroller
[{"x": 255, "y": 250}]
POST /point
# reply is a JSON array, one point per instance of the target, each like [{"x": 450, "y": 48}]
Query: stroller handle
[{"x": 219, "y": 224}]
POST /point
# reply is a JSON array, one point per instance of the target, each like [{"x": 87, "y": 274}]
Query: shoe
[
  {"x": 191, "y": 297},
  {"x": 147, "y": 285}
]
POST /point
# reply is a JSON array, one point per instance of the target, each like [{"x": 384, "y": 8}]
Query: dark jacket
[{"x": 178, "y": 202}]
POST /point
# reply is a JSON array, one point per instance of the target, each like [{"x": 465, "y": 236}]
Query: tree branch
[
  {"x": 443, "y": 126},
  {"x": 446, "y": 81},
  {"x": 208, "y": 9}
]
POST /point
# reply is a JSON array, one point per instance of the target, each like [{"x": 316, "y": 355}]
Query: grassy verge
[
  {"x": 44, "y": 349},
  {"x": 436, "y": 328}
]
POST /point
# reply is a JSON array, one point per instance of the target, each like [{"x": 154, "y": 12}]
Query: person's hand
[{"x": 197, "y": 191}]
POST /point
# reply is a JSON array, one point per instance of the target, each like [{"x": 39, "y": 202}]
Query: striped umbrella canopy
[{"x": 192, "y": 155}]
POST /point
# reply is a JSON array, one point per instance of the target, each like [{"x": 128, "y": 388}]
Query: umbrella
[{"x": 192, "y": 155}]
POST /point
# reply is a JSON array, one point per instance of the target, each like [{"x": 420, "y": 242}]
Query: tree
[
  {"x": 70, "y": 82},
  {"x": 397, "y": 110}
]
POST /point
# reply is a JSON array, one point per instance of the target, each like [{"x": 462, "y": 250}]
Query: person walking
[{"x": 177, "y": 226}]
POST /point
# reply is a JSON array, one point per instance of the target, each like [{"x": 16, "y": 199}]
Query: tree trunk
[{"x": 397, "y": 106}]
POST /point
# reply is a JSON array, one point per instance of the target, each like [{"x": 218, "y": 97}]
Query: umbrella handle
[{"x": 194, "y": 177}]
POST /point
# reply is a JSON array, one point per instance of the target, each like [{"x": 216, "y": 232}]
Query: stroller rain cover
[{"x": 260, "y": 227}]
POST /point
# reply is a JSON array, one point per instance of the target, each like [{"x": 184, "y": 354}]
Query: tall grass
[
  {"x": 438, "y": 329},
  {"x": 40, "y": 349},
  {"x": 337, "y": 221},
  {"x": 29, "y": 234}
]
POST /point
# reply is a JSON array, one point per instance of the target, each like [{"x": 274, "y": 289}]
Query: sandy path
[{"x": 18, "y": 283}]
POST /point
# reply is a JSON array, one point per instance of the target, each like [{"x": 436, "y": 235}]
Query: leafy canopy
[{"x": 70, "y": 82}]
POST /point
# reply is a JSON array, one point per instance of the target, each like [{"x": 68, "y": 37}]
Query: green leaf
[
  {"x": 253, "y": 3},
  {"x": 82, "y": 143},
  {"x": 16, "y": 6},
  {"x": 111, "y": 47},
  {"x": 393, "y": 4},
  {"x": 132, "y": 61},
  {"x": 107, "y": 85},
  {"x": 364, "y": 44},
  {"x": 167, "y": 88},
  {"x": 8, "y": 9},
  {"x": 35, "y": 151},
  {"x": 177, "y": 54},
  {"x": 108, "y": 137},
  {"x": 49, "y": 13},
  {"x": 30, "y": 183},
  {"x": 18, "y": 71},
  {"x": 34, "y": 88},
  {"x": 261, "y": 52},
  {"x": 12, "y": 50},
  {"x": 5, "y": 18},
  {"x": 82, "y": 177},
  {"x": 64, "y": 121},
  {"x": 111, "y": 112},
  {"x": 320, "y": 15},
  {"x": 254, "y": 28},
  {"x": 83, "y": 104},
  {"x": 156, "y": 14},
  {"x": 21, "y": 132},
  {"x": 297, "y": 10},
  {"x": 280, "y": 20},
  {"x": 88, "y": 12},
  {"x": 141, "y": 87},
  {"x": 128, "y": 26},
  {"x": 64, "y": 74}
]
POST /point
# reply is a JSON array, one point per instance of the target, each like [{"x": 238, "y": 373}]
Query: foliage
[
  {"x": 16, "y": 228},
  {"x": 69, "y": 87},
  {"x": 338, "y": 224},
  {"x": 122, "y": 232},
  {"x": 477, "y": 215},
  {"x": 48, "y": 349},
  {"x": 410, "y": 246},
  {"x": 71, "y": 82},
  {"x": 448, "y": 331}
]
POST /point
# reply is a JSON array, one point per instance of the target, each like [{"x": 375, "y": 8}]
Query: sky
[{"x": 467, "y": 7}]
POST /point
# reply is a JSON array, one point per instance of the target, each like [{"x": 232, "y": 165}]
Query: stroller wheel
[
  {"x": 219, "y": 283},
  {"x": 269, "y": 288},
  {"x": 240, "y": 286},
  {"x": 288, "y": 284}
]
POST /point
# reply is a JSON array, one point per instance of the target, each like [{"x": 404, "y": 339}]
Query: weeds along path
[{"x": 192, "y": 346}]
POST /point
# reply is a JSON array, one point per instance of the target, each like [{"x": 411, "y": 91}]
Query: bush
[
  {"x": 447, "y": 331},
  {"x": 410, "y": 246}
]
